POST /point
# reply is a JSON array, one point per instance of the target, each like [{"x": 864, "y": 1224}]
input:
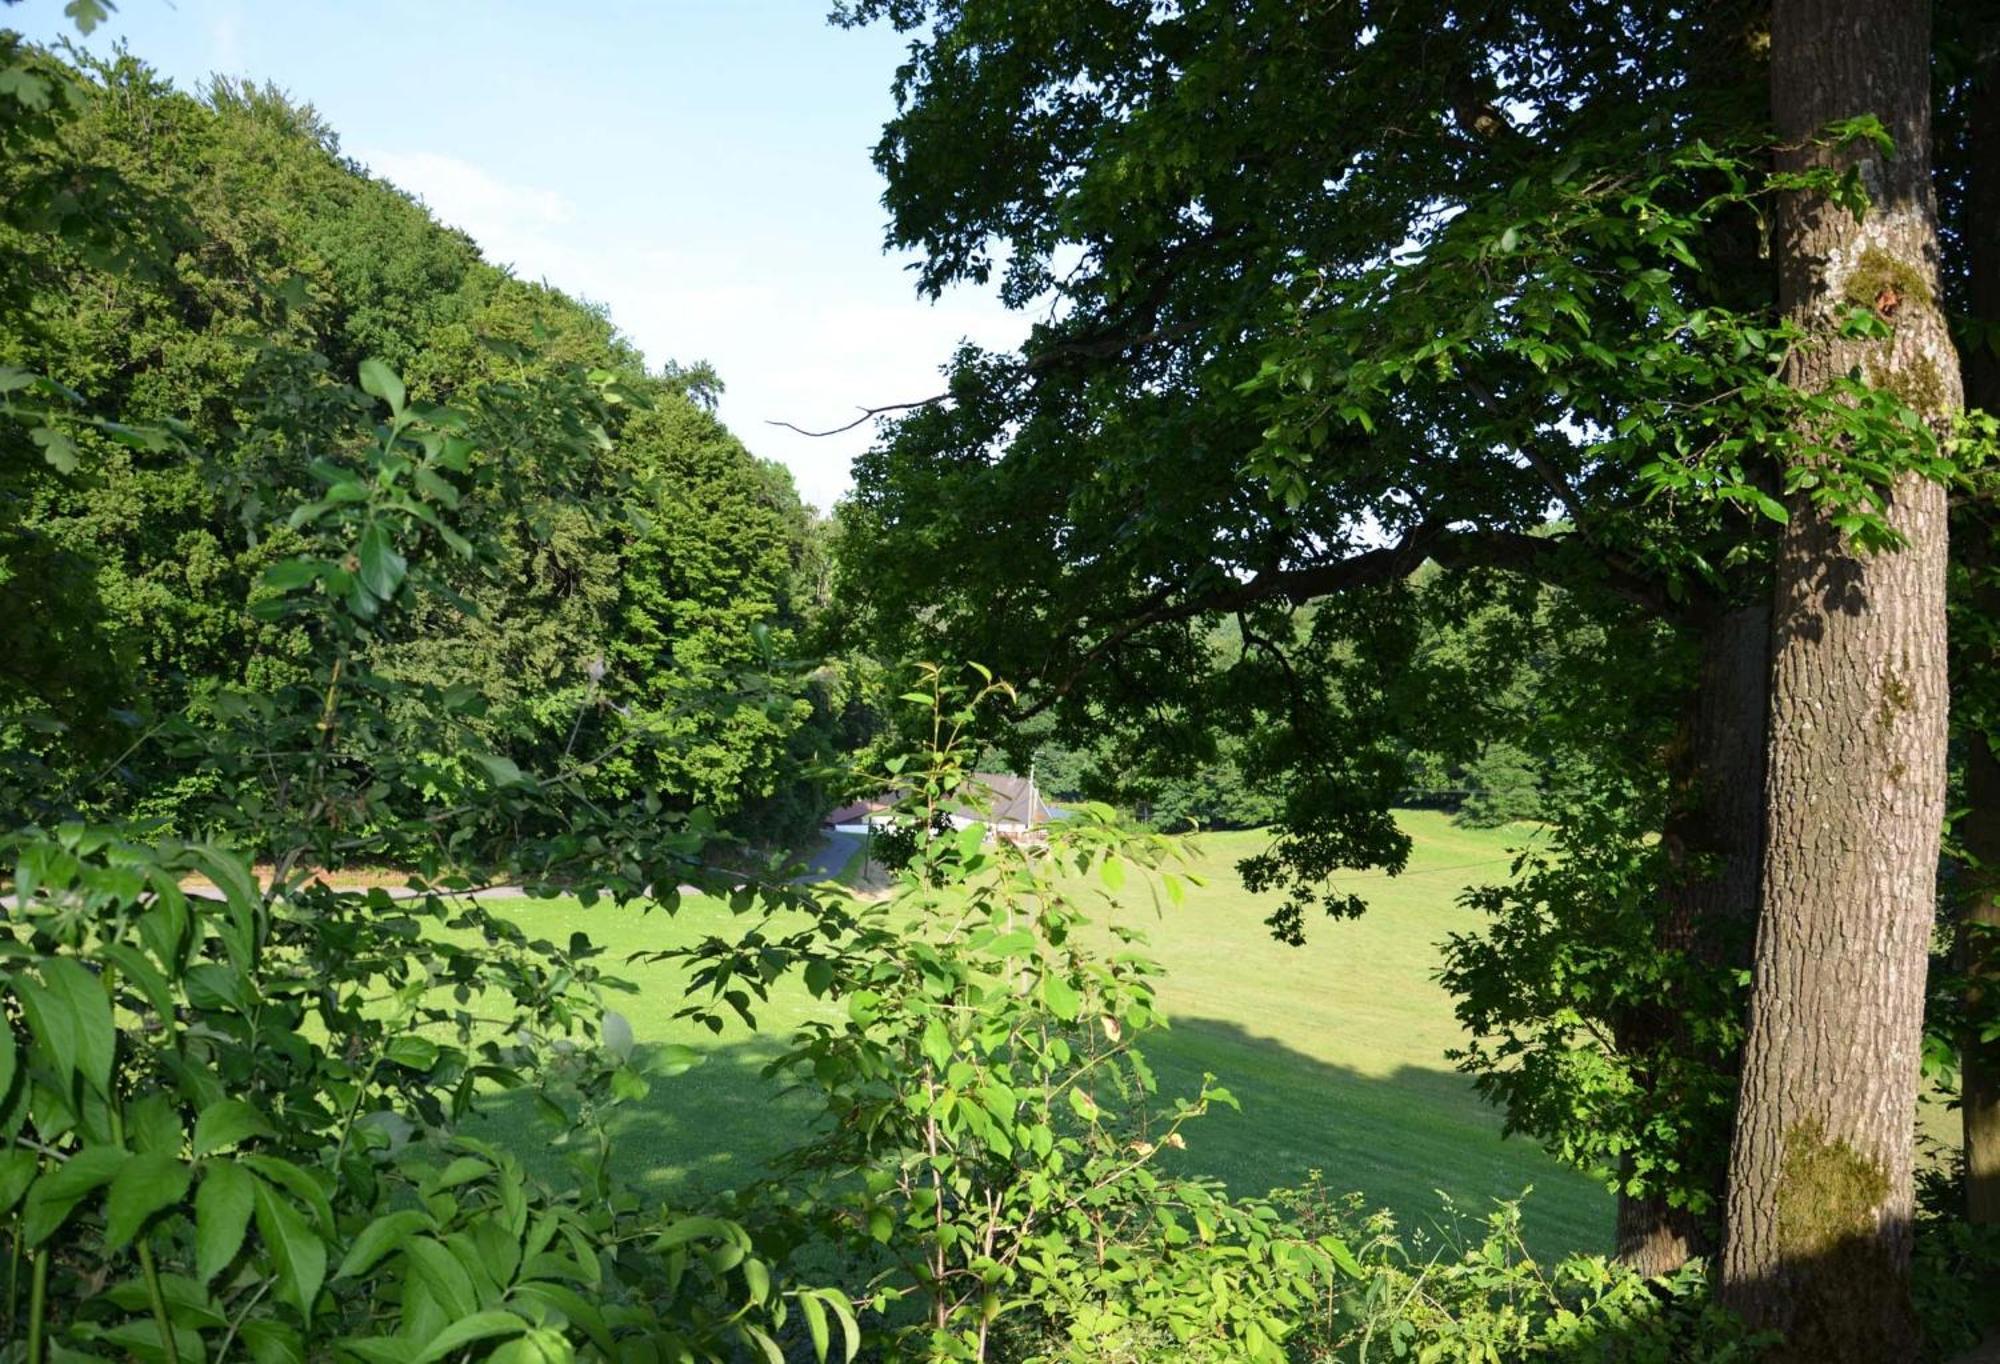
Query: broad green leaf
[
  {"x": 139, "y": 969},
  {"x": 379, "y": 381},
  {"x": 937, "y": 1042},
  {"x": 442, "y": 1276},
  {"x": 299, "y": 1183},
  {"x": 70, "y": 1016},
  {"x": 501, "y": 770},
  {"x": 1063, "y": 1000},
  {"x": 384, "y": 1236},
  {"x": 143, "y": 1186},
  {"x": 673, "y": 1058},
  {"x": 54, "y": 1196},
  {"x": 418, "y": 1053},
  {"x": 226, "y": 1124},
  {"x": 462, "y": 1332},
  {"x": 382, "y": 568},
  {"x": 9, "y": 1063},
  {"x": 288, "y": 574},
  {"x": 18, "y": 1169},
  {"x": 1112, "y": 871},
  {"x": 843, "y": 1310},
  {"x": 764, "y": 1343},
  {"x": 298, "y": 1255},
  {"x": 87, "y": 14},
  {"x": 822, "y": 1338},
  {"x": 222, "y": 1207},
  {"x": 272, "y": 1342}
]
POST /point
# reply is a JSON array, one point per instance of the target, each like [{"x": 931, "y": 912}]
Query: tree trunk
[
  {"x": 1979, "y": 833},
  {"x": 1979, "y": 830},
  {"x": 1714, "y": 841},
  {"x": 1818, "y": 1233}
]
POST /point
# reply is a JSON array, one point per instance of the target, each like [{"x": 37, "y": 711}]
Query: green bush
[
  {"x": 234, "y": 1117},
  {"x": 1468, "y": 1290},
  {"x": 989, "y": 1151}
]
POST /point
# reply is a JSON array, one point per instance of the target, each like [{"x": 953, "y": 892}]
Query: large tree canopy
[{"x": 1333, "y": 290}]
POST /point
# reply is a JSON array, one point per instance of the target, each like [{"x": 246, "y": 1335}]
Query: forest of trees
[
  {"x": 1564, "y": 411},
  {"x": 219, "y": 268}
]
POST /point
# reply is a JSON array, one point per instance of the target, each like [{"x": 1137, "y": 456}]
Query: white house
[{"x": 1010, "y": 807}]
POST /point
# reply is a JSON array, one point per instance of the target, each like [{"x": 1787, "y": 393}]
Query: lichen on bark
[
  {"x": 1878, "y": 275},
  {"x": 1828, "y": 1193}
]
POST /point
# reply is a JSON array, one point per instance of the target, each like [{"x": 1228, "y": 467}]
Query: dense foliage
[
  {"x": 1412, "y": 417},
  {"x": 250, "y": 268}
]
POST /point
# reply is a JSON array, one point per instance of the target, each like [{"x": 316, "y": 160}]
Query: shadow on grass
[{"x": 1401, "y": 1140}]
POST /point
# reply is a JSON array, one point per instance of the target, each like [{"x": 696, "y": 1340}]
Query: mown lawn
[{"x": 1336, "y": 1049}]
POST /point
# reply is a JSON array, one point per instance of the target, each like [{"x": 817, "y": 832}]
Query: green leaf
[
  {"x": 18, "y": 1169},
  {"x": 1771, "y": 507},
  {"x": 222, "y": 1207},
  {"x": 937, "y": 1042},
  {"x": 57, "y": 448},
  {"x": 479, "y": 1326},
  {"x": 432, "y": 1265},
  {"x": 227, "y": 1123},
  {"x": 70, "y": 1015},
  {"x": 673, "y": 1058},
  {"x": 143, "y": 1186},
  {"x": 379, "y": 381},
  {"x": 139, "y": 969},
  {"x": 822, "y": 1338},
  {"x": 418, "y": 1053},
  {"x": 850, "y": 1329},
  {"x": 9, "y": 1062},
  {"x": 298, "y": 1255},
  {"x": 762, "y": 1340},
  {"x": 288, "y": 574},
  {"x": 299, "y": 1183},
  {"x": 435, "y": 486},
  {"x": 1061, "y": 997},
  {"x": 87, "y": 14},
  {"x": 32, "y": 91},
  {"x": 53, "y": 1197},
  {"x": 382, "y": 568},
  {"x": 384, "y": 1236},
  {"x": 1337, "y": 1250},
  {"x": 1112, "y": 871},
  {"x": 502, "y": 771}
]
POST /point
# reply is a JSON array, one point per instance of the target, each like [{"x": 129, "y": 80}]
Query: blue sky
[{"x": 699, "y": 166}]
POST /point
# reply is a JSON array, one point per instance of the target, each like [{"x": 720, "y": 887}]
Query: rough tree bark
[
  {"x": 1979, "y": 831},
  {"x": 1818, "y": 1233},
  {"x": 1715, "y": 847}
]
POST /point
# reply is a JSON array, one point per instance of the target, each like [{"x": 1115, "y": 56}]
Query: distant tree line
[{"x": 210, "y": 267}]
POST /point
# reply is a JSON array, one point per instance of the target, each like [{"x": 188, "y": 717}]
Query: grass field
[{"x": 1336, "y": 1049}]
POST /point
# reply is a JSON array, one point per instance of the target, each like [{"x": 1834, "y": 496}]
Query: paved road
[{"x": 830, "y": 858}]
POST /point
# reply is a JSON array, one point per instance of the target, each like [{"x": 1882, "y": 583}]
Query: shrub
[
  {"x": 232, "y": 1116},
  {"x": 1471, "y": 1292},
  {"x": 989, "y": 1153}
]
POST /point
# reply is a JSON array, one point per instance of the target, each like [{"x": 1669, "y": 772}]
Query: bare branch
[
  {"x": 867, "y": 414},
  {"x": 1544, "y": 468}
]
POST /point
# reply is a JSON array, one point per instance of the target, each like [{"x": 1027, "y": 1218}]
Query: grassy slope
[{"x": 1336, "y": 1049}]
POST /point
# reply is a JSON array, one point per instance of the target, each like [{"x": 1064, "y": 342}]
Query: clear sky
[{"x": 699, "y": 166}]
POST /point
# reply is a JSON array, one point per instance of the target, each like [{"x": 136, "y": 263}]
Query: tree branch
[
  {"x": 867, "y": 414},
  {"x": 1532, "y": 556}
]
